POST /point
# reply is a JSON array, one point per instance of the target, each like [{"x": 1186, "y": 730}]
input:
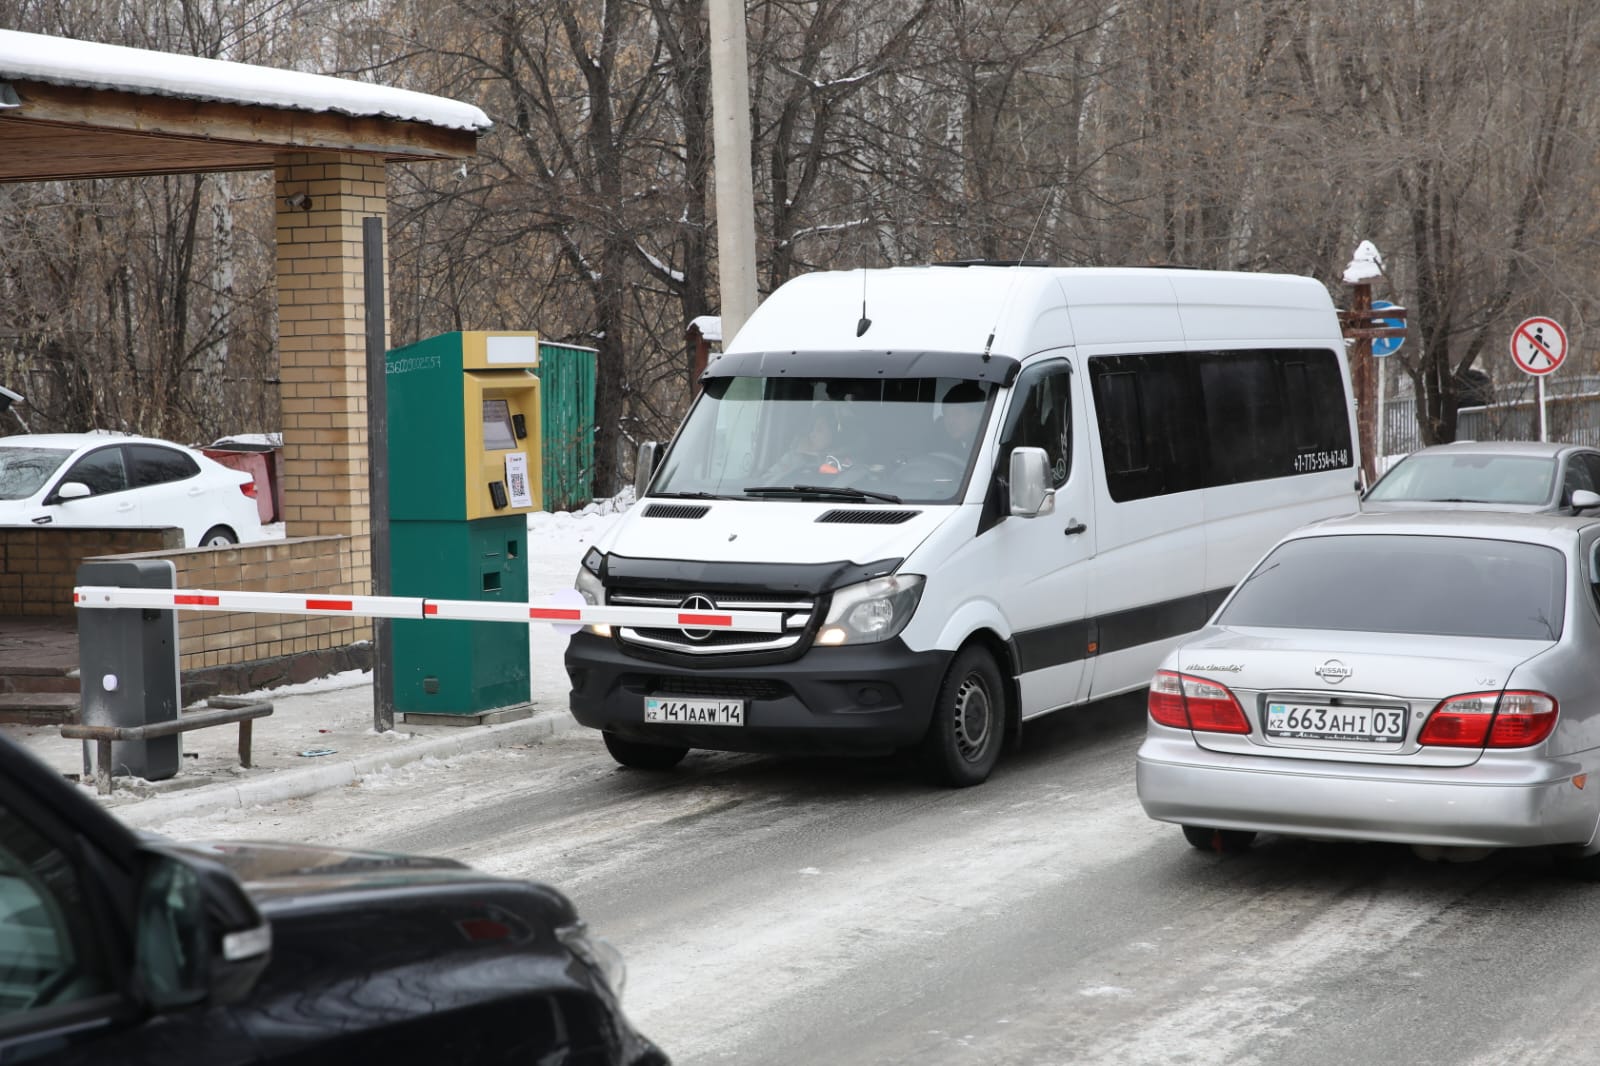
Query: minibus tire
[
  {"x": 972, "y": 690},
  {"x": 637, "y": 756}
]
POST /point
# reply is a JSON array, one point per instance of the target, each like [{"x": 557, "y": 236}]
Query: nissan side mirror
[
  {"x": 1031, "y": 492},
  {"x": 645, "y": 468},
  {"x": 73, "y": 490},
  {"x": 1583, "y": 500}
]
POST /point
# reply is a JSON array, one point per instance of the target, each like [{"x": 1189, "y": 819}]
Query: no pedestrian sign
[{"x": 1538, "y": 345}]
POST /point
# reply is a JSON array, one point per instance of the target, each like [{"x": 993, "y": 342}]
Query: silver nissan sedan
[{"x": 1430, "y": 679}]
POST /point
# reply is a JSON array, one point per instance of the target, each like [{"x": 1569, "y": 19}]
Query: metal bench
[{"x": 228, "y": 710}]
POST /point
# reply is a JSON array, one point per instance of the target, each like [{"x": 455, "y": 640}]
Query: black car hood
[{"x": 274, "y": 871}]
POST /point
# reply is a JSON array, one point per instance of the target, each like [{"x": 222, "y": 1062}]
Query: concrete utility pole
[{"x": 730, "y": 138}]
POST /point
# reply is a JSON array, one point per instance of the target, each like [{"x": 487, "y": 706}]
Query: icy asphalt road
[{"x": 794, "y": 912}]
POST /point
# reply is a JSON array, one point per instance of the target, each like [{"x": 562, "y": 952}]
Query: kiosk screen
[{"x": 497, "y": 432}]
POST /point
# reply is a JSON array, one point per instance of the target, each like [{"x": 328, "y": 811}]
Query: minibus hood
[{"x": 774, "y": 530}]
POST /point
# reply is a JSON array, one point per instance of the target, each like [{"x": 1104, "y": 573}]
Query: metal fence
[
  {"x": 1572, "y": 414},
  {"x": 566, "y": 414}
]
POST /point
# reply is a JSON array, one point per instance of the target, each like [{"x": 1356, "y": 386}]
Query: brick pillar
[{"x": 322, "y": 198}]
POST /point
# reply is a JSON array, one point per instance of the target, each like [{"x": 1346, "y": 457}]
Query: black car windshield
[
  {"x": 24, "y": 470},
  {"x": 1381, "y": 583},
  {"x": 869, "y": 440},
  {"x": 1469, "y": 477}
]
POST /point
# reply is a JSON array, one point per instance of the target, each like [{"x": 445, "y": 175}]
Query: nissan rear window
[{"x": 1379, "y": 583}]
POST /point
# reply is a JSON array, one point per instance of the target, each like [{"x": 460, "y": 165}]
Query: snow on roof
[
  {"x": 710, "y": 327},
  {"x": 248, "y": 441},
  {"x": 62, "y": 61}
]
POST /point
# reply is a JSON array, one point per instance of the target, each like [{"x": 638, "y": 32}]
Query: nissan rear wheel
[
  {"x": 969, "y": 721},
  {"x": 641, "y": 756},
  {"x": 1219, "y": 841},
  {"x": 1579, "y": 867},
  {"x": 218, "y": 537}
]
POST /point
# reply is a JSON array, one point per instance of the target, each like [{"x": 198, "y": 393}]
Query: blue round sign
[{"x": 1382, "y": 346}]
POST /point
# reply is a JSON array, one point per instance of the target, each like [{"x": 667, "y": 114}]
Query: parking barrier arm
[{"x": 417, "y": 607}]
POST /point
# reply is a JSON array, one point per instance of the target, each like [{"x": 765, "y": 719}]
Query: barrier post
[{"x": 128, "y": 667}]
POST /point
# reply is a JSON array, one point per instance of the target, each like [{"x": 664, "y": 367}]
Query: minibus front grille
[
  {"x": 796, "y": 610},
  {"x": 725, "y": 688}
]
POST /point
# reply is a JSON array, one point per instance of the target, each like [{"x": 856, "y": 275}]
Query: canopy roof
[{"x": 78, "y": 109}]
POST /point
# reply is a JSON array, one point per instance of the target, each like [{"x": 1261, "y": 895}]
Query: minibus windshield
[{"x": 874, "y": 441}]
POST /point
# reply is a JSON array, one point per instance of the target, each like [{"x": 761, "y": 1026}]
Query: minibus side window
[
  {"x": 1041, "y": 417},
  {"x": 1177, "y": 421},
  {"x": 1150, "y": 431},
  {"x": 1121, "y": 422},
  {"x": 1246, "y": 417}
]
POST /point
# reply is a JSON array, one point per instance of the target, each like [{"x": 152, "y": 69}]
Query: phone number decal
[{"x": 1311, "y": 462}]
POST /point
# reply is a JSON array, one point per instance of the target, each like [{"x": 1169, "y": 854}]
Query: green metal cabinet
[{"x": 566, "y": 404}]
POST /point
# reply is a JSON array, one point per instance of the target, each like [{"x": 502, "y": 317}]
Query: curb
[{"x": 280, "y": 785}]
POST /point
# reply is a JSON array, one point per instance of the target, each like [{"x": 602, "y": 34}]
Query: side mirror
[
  {"x": 645, "y": 468},
  {"x": 1031, "y": 493},
  {"x": 199, "y": 938},
  {"x": 73, "y": 490},
  {"x": 1583, "y": 500}
]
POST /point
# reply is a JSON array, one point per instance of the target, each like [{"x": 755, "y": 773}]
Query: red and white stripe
[{"x": 416, "y": 607}]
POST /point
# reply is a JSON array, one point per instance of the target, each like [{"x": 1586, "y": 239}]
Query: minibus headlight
[
  {"x": 594, "y": 594},
  {"x": 871, "y": 611}
]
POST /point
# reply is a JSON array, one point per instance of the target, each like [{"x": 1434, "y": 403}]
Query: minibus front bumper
[{"x": 861, "y": 700}]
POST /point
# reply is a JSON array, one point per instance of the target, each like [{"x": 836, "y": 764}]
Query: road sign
[
  {"x": 1538, "y": 345},
  {"x": 1382, "y": 346}
]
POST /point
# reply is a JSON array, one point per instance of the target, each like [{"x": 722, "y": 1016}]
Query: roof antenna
[
  {"x": 1048, "y": 200},
  {"x": 865, "y": 323}
]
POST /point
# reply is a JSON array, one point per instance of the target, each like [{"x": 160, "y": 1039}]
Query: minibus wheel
[
  {"x": 969, "y": 720},
  {"x": 637, "y": 756}
]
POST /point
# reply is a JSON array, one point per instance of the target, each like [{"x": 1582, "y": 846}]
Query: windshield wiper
[{"x": 842, "y": 492}]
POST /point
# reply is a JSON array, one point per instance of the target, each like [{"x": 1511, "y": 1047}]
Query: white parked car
[{"x": 92, "y": 479}]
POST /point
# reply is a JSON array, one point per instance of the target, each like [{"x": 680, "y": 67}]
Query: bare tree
[
  {"x": 1479, "y": 111},
  {"x": 1253, "y": 134}
]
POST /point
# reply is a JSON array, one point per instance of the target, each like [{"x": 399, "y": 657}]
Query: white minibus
[{"x": 975, "y": 494}]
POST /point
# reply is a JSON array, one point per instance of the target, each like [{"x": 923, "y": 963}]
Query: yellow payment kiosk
[{"x": 464, "y": 472}]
